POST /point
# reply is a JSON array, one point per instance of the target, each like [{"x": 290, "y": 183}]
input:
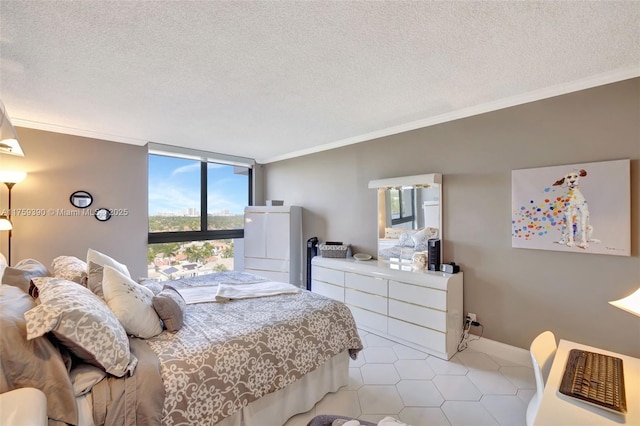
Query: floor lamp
[
  {"x": 10, "y": 178},
  {"x": 9, "y": 145}
]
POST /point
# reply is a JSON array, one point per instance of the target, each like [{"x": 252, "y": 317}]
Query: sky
[{"x": 174, "y": 186}]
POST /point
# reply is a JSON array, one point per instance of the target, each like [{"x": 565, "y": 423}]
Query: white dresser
[
  {"x": 273, "y": 243},
  {"x": 421, "y": 309}
]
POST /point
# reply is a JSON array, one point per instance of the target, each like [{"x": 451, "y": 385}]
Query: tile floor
[{"x": 389, "y": 379}]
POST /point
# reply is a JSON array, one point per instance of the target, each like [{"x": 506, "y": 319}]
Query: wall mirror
[
  {"x": 81, "y": 199},
  {"x": 409, "y": 213}
]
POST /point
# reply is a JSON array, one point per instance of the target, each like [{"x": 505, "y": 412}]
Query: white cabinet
[
  {"x": 273, "y": 243},
  {"x": 421, "y": 309}
]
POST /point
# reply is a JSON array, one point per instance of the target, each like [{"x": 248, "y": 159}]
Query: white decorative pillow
[
  {"x": 422, "y": 237},
  {"x": 102, "y": 260},
  {"x": 131, "y": 302},
  {"x": 393, "y": 233},
  {"x": 70, "y": 268},
  {"x": 82, "y": 323}
]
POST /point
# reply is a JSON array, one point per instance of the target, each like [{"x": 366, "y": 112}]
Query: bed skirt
[{"x": 299, "y": 397}]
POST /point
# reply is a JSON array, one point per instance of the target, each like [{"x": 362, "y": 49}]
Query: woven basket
[{"x": 335, "y": 251}]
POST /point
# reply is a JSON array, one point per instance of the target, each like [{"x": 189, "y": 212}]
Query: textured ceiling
[{"x": 273, "y": 80}]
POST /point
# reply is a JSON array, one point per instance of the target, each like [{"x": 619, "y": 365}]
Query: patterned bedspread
[{"x": 229, "y": 354}]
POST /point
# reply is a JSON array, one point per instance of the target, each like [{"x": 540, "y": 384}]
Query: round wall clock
[{"x": 103, "y": 214}]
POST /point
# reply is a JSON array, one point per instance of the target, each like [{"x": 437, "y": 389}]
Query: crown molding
[{"x": 536, "y": 95}]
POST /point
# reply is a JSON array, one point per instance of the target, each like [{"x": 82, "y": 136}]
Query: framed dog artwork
[{"x": 581, "y": 208}]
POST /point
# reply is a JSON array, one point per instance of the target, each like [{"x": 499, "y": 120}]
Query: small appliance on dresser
[{"x": 433, "y": 249}]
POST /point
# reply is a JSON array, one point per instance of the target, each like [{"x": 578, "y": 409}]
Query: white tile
[
  {"x": 477, "y": 360},
  {"x": 355, "y": 379},
  {"x": 379, "y": 355},
  {"x": 379, "y": 374},
  {"x": 467, "y": 413},
  {"x": 507, "y": 410},
  {"x": 419, "y": 393},
  {"x": 525, "y": 395},
  {"x": 430, "y": 416},
  {"x": 373, "y": 340},
  {"x": 343, "y": 402},
  {"x": 457, "y": 388},
  {"x": 380, "y": 399},
  {"x": 521, "y": 377},
  {"x": 358, "y": 362},
  {"x": 414, "y": 369},
  {"x": 491, "y": 383},
  {"x": 405, "y": 352},
  {"x": 452, "y": 367}
]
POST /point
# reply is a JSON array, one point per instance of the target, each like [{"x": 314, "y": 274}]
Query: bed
[{"x": 246, "y": 361}]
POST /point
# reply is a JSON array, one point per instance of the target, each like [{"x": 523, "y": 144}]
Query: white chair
[{"x": 543, "y": 350}]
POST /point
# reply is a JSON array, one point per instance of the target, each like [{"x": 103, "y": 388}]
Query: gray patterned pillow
[
  {"x": 171, "y": 308},
  {"x": 81, "y": 322},
  {"x": 32, "y": 363},
  {"x": 406, "y": 240},
  {"x": 70, "y": 268},
  {"x": 20, "y": 275}
]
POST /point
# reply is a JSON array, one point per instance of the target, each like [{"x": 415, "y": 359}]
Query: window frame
[
  {"x": 402, "y": 218},
  {"x": 205, "y": 158}
]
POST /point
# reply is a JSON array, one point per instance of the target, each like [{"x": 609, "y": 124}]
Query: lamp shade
[
  {"x": 631, "y": 303},
  {"x": 5, "y": 224},
  {"x": 12, "y": 176},
  {"x": 8, "y": 136}
]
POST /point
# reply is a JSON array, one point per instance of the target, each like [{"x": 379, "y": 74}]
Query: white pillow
[
  {"x": 102, "y": 260},
  {"x": 132, "y": 304}
]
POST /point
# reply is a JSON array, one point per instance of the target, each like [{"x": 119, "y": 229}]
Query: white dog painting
[
  {"x": 565, "y": 207},
  {"x": 576, "y": 212}
]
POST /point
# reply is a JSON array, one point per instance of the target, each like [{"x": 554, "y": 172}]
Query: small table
[{"x": 559, "y": 409}]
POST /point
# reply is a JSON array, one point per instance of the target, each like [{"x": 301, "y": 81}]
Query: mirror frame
[
  {"x": 80, "y": 195},
  {"x": 382, "y": 185}
]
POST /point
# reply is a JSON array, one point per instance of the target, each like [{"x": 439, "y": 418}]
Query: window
[
  {"x": 196, "y": 211},
  {"x": 402, "y": 205}
]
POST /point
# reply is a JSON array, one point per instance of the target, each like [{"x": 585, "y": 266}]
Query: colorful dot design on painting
[{"x": 537, "y": 218}]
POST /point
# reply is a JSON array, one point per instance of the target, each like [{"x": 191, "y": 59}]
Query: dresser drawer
[
  {"x": 413, "y": 293},
  {"x": 327, "y": 275},
  {"x": 428, "y": 338},
  {"x": 333, "y": 291},
  {"x": 370, "y": 302},
  {"x": 368, "y": 284},
  {"x": 282, "y": 277},
  {"x": 257, "y": 263},
  {"x": 418, "y": 315},
  {"x": 369, "y": 319}
]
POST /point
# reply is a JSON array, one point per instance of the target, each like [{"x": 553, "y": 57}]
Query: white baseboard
[{"x": 502, "y": 350}]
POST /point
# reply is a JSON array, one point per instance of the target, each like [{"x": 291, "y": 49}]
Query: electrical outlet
[{"x": 472, "y": 317}]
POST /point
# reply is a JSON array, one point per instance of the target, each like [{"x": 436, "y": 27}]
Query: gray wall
[
  {"x": 516, "y": 293},
  {"x": 57, "y": 165}
]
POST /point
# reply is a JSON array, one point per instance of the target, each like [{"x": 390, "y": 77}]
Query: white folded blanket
[
  {"x": 225, "y": 292},
  {"x": 246, "y": 291}
]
